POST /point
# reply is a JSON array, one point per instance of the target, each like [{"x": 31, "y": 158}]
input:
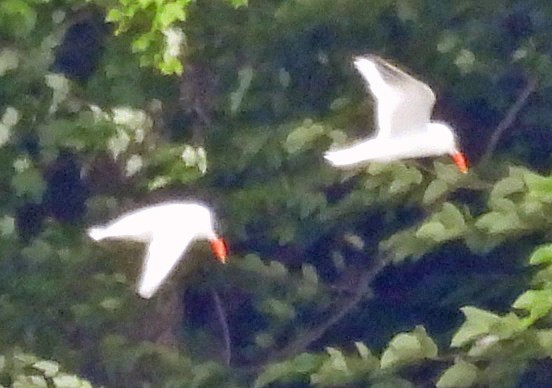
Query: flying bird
[
  {"x": 403, "y": 111},
  {"x": 168, "y": 229}
]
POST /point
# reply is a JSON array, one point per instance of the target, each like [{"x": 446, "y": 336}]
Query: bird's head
[
  {"x": 445, "y": 140},
  {"x": 204, "y": 227}
]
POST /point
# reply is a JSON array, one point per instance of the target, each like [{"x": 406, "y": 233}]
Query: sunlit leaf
[
  {"x": 70, "y": 381},
  {"x": 543, "y": 255},
  {"x": 302, "y": 136},
  {"x": 539, "y": 186},
  {"x": 537, "y": 302},
  {"x": 461, "y": 374},
  {"x": 478, "y": 322},
  {"x": 9, "y": 60},
  {"x": 281, "y": 371},
  {"x": 245, "y": 76},
  {"x": 29, "y": 183},
  {"x": 448, "y": 173},
  {"x": 507, "y": 186},
  {"x": 363, "y": 350},
  {"x": 7, "y": 225},
  {"x": 432, "y": 230},
  {"x": 406, "y": 348},
  {"x": 49, "y": 368},
  {"x": 544, "y": 338},
  {"x": 238, "y": 3},
  {"x": 434, "y": 191}
]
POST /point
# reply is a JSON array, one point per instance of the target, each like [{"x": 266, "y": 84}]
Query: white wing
[
  {"x": 384, "y": 149},
  {"x": 404, "y": 104},
  {"x": 163, "y": 254},
  {"x": 352, "y": 155}
]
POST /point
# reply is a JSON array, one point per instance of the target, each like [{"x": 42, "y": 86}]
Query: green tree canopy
[{"x": 390, "y": 275}]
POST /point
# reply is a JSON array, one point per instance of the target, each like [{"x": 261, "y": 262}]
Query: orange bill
[
  {"x": 219, "y": 249},
  {"x": 460, "y": 161}
]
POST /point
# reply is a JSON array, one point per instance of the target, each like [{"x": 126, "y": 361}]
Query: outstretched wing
[
  {"x": 404, "y": 104},
  {"x": 164, "y": 252}
]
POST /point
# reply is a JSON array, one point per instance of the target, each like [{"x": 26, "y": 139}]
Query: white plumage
[
  {"x": 168, "y": 228},
  {"x": 403, "y": 111}
]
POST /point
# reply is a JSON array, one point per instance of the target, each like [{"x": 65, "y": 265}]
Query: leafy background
[{"x": 396, "y": 275}]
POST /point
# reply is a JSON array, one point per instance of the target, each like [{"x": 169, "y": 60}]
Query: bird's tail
[{"x": 97, "y": 233}]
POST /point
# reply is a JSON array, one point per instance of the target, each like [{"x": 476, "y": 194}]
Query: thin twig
[
  {"x": 305, "y": 339},
  {"x": 510, "y": 117},
  {"x": 221, "y": 315}
]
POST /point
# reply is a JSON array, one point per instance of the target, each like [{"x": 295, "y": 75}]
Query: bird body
[
  {"x": 403, "y": 111},
  {"x": 168, "y": 229}
]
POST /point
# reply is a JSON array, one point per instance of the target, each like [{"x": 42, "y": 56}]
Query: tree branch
[
  {"x": 221, "y": 315},
  {"x": 361, "y": 291},
  {"x": 510, "y": 117}
]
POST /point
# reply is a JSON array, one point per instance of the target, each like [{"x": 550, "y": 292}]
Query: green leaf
[
  {"x": 10, "y": 117},
  {"x": 49, "y": 368},
  {"x": 449, "y": 223},
  {"x": 448, "y": 173},
  {"x": 452, "y": 217},
  {"x": 302, "y": 136},
  {"x": 29, "y": 183},
  {"x": 333, "y": 371},
  {"x": 111, "y": 304},
  {"x": 461, "y": 374},
  {"x": 238, "y": 3},
  {"x": 337, "y": 359},
  {"x": 540, "y": 187},
  {"x": 432, "y": 230},
  {"x": 478, "y": 322},
  {"x": 264, "y": 340},
  {"x": 406, "y": 348},
  {"x": 245, "y": 76},
  {"x": 391, "y": 381},
  {"x": 434, "y": 191},
  {"x": 278, "y": 309},
  {"x": 277, "y": 269},
  {"x": 363, "y": 350},
  {"x": 499, "y": 223},
  {"x": 543, "y": 255},
  {"x": 405, "y": 244},
  {"x": 170, "y": 13},
  {"x": 544, "y": 338},
  {"x": 429, "y": 348},
  {"x": 23, "y": 381},
  {"x": 7, "y": 226},
  {"x": 18, "y": 15},
  {"x": 252, "y": 262},
  {"x": 114, "y": 15},
  {"x": 300, "y": 365},
  {"x": 9, "y": 60},
  {"x": 309, "y": 274},
  {"x": 537, "y": 302},
  {"x": 70, "y": 381},
  {"x": 403, "y": 178},
  {"x": 273, "y": 373},
  {"x": 171, "y": 65},
  {"x": 507, "y": 186},
  {"x": 143, "y": 42}
]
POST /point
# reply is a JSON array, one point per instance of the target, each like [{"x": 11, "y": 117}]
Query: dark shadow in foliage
[
  {"x": 305, "y": 59},
  {"x": 81, "y": 48},
  {"x": 538, "y": 375},
  {"x": 66, "y": 192},
  {"x": 28, "y": 220}
]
